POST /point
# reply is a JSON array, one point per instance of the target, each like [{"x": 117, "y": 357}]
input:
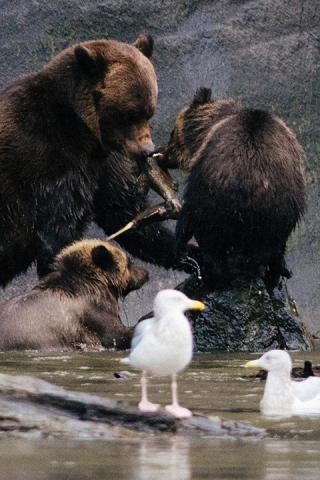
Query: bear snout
[
  {"x": 140, "y": 150},
  {"x": 148, "y": 150},
  {"x": 139, "y": 141},
  {"x": 138, "y": 276}
]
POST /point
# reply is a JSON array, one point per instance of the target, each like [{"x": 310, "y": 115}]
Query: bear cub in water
[
  {"x": 245, "y": 192},
  {"x": 76, "y": 304}
]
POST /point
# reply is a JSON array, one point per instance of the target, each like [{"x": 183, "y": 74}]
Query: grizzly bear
[
  {"x": 76, "y": 304},
  {"x": 245, "y": 192},
  {"x": 72, "y": 139}
]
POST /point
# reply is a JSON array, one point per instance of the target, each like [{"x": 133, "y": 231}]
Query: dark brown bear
[
  {"x": 72, "y": 138},
  {"x": 246, "y": 191},
  {"x": 76, "y": 304}
]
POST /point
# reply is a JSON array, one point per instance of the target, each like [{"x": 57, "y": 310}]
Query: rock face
[
  {"x": 29, "y": 406},
  {"x": 246, "y": 318},
  {"x": 264, "y": 52}
]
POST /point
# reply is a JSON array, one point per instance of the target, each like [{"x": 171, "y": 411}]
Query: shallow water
[{"x": 214, "y": 384}]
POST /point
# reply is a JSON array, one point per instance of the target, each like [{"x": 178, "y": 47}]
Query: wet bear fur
[
  {"x": 76, "y": 305},
  {"x": 72, "y": 139},
  {"x": 245, "y": 193}
]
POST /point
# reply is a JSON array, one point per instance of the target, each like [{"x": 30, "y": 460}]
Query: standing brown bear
[
  {"x": 245, "y": 192},
  {"x": 76, "y": 304},
  {"x": 72, "y": 137}
]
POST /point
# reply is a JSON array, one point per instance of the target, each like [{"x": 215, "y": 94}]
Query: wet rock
[
  {"x": 246, "y": 318},
  {"x": 35, "y": 407},
  {"x": 216, "y": 426}
]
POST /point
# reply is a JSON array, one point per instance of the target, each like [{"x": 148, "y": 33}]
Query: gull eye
[{"x": 268, "y": 357}]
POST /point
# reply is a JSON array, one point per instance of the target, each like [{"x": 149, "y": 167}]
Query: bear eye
[
  {"x": 115, "y": 115},
  {"x": 136, "y": 116},
  {"x": 131, "y": 117}
]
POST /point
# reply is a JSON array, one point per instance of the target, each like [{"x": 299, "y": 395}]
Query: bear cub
[
  {"x": 245, "y": 192},
  {"x": 76, "y": 304}
]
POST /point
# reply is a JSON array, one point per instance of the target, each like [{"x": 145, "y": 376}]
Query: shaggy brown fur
[
  {"x": 75, "y": 305},
  {"x": 246, "y": 191},
  {"x": 72, "y": 137}
]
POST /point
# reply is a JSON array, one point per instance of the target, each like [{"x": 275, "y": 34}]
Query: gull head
[
  {"x": 173, "y": 300},
  {"x": 272, "y": 361}
]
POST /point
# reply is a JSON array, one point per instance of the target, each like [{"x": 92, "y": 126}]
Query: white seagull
[
  {"x": 283, "y": 396},
  {"x": 163, "y": 345}
]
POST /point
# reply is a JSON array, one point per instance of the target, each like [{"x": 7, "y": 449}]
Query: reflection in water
[
  {"x": 160, "y": 457},
  {"x": 292, "y": 460},
  {"x": 170, "y": 460},
  {"x": 278, "y": 465}
]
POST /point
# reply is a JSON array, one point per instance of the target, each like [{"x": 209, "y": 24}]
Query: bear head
[
  {"x": 192, "y": 126},
  {"x": 94, "y": 267},
  {"x": 113, "y": 88}
]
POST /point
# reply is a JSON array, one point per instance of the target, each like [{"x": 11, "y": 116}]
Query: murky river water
[{"x": 213, "y": 384}]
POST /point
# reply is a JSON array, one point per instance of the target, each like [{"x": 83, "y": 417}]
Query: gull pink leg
[
  {"x": 145, "y": 405},
  {"x": 175, "y": 409}
]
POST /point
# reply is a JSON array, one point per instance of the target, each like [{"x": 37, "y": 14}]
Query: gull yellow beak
[
  {"x": 252, "y": 364},
  {"x": 196, "y": 305}
]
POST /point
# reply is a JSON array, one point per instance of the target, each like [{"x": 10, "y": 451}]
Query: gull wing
[
  {"x": 140, "y": 330},
  {"x": 307, "y": 389}
]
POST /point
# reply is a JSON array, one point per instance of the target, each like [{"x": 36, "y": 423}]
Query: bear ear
[
  {"x": 102, "y": 258},
  {"x": 144, "y": 43},
  {"x": 87, "y": 60},
  {"x": 202, "y": 96}
]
